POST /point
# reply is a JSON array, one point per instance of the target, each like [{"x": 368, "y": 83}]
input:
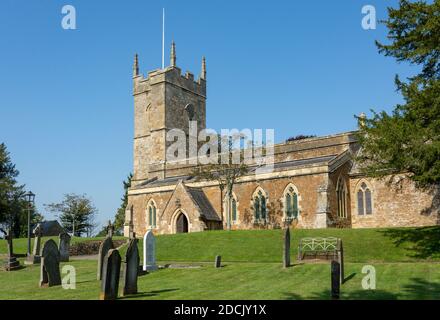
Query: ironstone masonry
[{"x": 319, "y": 173}]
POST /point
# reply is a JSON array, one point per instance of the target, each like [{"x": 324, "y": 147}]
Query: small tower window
[{"x": 152, "y": 215}]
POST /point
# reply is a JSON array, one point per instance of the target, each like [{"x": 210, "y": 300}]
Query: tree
[
  {"x": 12, "y": 203},
  {"x": 120, "y": 214},
  {"x": 226, "y": 173},
  {"x": 76, "y": 213},
  {"x": 408, "y": 139}
]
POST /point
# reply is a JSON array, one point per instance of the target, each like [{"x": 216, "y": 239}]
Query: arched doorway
[{"x": 181, "y": 223}]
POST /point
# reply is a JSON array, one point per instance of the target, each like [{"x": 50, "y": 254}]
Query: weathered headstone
[
  {"x": 335, "y": 279},
  {"x": 50, "y": 265},
  {"x": 131, "y": 268},
  {"x": 11, "y": 262},
  {"x": 110, "y": 275},
  {"x": 341, "y": 259},
  {"x": 35, "y": 257},
  {"x": 37, "y": 240},
  {"x": 64, "y": 245},
  {"x": 104, "y": 248},
  {"x": 218, "y": 261},
  {"x": 149, "y": 252},
  {"x": 286, "y": 248}
]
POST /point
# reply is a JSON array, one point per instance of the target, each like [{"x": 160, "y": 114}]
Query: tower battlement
[
  {"x": 164, "y": 100},
  {"x": 173, "y": 76}
]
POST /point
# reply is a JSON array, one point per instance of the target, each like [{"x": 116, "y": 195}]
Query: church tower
[{"x": 164, "y": 100}]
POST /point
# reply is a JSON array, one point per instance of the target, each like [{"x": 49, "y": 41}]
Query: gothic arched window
[
  {"x": 234, "y": 210},
  {"x": 291, "y": 203},
  {"x": 341, "y": 195},
  {"x": 260, "y": 209},
  {"x": 151, "y": 211},
  {"x": 364, "y": 200},
  {"x": 231, "y": 207}
]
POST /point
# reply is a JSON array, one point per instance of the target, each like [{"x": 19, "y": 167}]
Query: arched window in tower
[
  {"x": 341, "y": 195},
  {"x": 364, "y": 199},
  {"x": 260, "y": 210},
  {"x": 151, "y": 211},
  {"x": 291, "y": 203},
  {"x": 189, "y": 108}
]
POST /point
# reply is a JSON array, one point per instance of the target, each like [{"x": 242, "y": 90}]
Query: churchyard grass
[
  {"x": 240, "y": 281},
  {"x": 252, "y": 267}
]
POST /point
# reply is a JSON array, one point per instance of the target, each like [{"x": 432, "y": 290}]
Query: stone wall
[{"x": 395, "y": 207}]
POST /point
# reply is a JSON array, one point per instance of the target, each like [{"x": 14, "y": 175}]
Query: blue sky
[{"x": 66, "y": 110}]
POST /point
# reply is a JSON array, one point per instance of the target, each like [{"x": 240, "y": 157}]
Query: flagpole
[{"x": 163, "y": 38}]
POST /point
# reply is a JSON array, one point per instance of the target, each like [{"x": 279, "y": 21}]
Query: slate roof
[
  {"x": 51, "y": 228},
  {"x": 203, "y": 203},
  {"x": 279, "y": 166}
]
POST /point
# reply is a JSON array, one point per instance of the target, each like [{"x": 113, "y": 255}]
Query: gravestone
[
  {"x": 104, "y": 248},
  {"x": 218, "y": 261},
  {"x": 110, "y": 229},
  {"x": 64, "y": 245},
  {"x": 131, "y": 268},
  {"x": 37, "y": 240},
  {"x": 149, "y": 252},
  {"x": 50, "y": 265},
  {"x": 286, "y": 248},
  {"x": 11, "y": 262},
  {"x": 341, "y": 259},
  {"x": 110, "y": 275},
  {"x": 335, "y": 279},
  {"x": 35, "y": 257}
]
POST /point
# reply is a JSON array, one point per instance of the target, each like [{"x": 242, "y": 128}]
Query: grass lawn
[{"x": 407, "y": 263}]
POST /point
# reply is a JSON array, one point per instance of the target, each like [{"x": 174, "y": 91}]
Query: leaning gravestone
[
  {"x": 286, "y": 248},
  {"x": 110, "y": 275},
  {"x": 131, "y": 268},
  {"x": 64, "y": 245},
  {"x": 149, "y": 252},
  {"x": 104, "y": 248},
  {"x": 218, "y": 261},
  {"x": 335, "y": 279},
  {"x": 50, "y": 265}
]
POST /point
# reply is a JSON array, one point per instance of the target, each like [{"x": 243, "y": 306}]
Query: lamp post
[{"x": 30, "y": 198}]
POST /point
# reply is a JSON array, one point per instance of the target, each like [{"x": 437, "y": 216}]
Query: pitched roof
[
  {"x": 50, "y": 228},
  {"x": 203, "y": 203}
]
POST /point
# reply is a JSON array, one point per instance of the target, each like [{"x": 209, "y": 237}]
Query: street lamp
[{"x": 30, "y": 198}]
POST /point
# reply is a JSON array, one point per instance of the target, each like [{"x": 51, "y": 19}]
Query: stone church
[{"x": 314, "y": 182}]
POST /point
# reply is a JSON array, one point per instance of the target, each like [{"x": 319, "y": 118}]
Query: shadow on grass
[
  {"x": 422, "y": 289},
  {"x": 351, "y": 276},
  {"x": 147, "y": 294},
  {"x": 417, "y": 289},
  {"x": 425, "y": 241},
  {"x": 352, "y": 295}
]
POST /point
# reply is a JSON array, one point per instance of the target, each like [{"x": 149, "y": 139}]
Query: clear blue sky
[{"x": 66, "y": 110}]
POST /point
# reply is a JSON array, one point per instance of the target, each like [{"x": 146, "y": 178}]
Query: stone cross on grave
[
  {"x": 8, "y": 237},
  {"x": 11, "y": 262},
  {"x": 110, "y": 229}
]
